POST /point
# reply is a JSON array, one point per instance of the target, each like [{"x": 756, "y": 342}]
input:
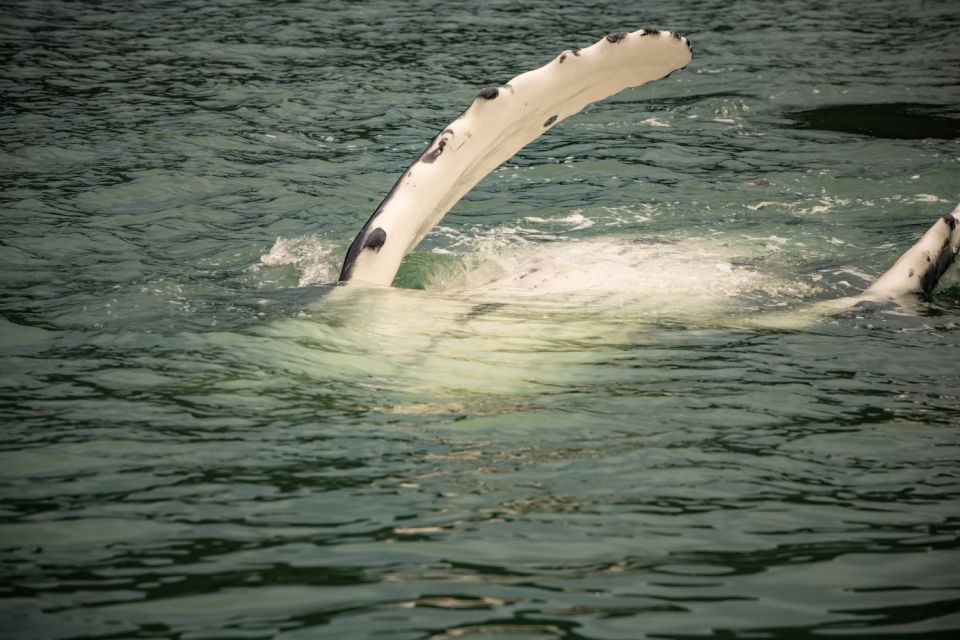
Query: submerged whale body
[{"x": 503, "y": 119}]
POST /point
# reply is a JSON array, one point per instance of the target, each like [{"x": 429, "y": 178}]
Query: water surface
[{"x": 201, "y": 440}]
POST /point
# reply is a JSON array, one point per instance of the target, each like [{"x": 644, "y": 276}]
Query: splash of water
[{"x": 312, "y": 256}]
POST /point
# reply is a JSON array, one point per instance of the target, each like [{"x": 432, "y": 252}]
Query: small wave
[
  {"x": 576, "y": 218},
  {"x": 655, "y": 122}
]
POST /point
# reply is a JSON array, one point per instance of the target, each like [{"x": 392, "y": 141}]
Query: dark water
[
  {"x": 201, "y": 442},
  {"x": 894, "y": 120}
]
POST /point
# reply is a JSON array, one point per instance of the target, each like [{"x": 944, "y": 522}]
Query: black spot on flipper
[
  {"x": 951, "y": 221},
  {"x": 563, "y": 57},
  {"x": 616, "y": 37},
  {"x": 676, "y": 36},
  {"x": 550, "y": 120},
  {"x": 432, "y": 155},
  {"x": 375, "y": 239},
  {"x": 575, "y": 51},
  {"x": 910, "y": 275},
  {"x": 524, "y": 275},
  {"x": 490, "y": 93},
  {"x": 650, "y": 32}
]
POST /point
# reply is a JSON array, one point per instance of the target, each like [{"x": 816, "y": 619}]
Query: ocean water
[{"x": 595, "y": 406}]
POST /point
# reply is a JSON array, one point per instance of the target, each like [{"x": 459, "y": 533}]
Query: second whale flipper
[
  {"x": 919, "y": 269},
  {"x": 916, "y": 273},
  {"x": 499, "y": 122}
]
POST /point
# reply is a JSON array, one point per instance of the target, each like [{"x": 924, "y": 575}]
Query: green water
[{"x": 200, "y": 440}]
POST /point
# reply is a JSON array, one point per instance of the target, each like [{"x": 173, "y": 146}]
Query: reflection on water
[{"x": 596, "y": 408}]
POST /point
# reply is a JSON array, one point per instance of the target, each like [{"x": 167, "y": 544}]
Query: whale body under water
[{"x": 503, "y": 119}]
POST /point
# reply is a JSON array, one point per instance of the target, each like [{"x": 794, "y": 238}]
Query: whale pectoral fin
[
  {"x": 499, "y": 122},
  {"x": 918, "y": 271}
]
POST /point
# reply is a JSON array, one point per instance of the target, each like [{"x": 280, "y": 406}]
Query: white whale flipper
[
  {"x": 917, "y": 272},
  {"x": 919, "y": 269},
  {"x": 499, "y": 122}
]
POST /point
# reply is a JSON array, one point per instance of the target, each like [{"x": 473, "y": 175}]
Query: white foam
[
  {"x": 310, "y": 254},
  {"x": 576, "y": 218},
  {"x": 619, "y": 272},
  {"x": 511, "y": 263},
  {"x": 927, "y": 197}
]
